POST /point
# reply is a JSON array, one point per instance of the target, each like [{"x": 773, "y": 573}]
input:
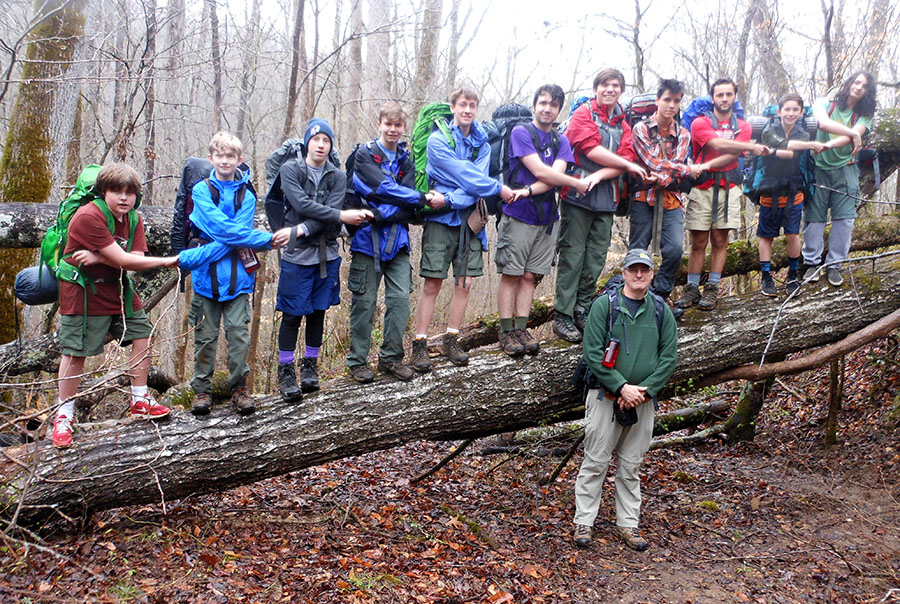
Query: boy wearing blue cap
[{"x": 309, "y": 281}]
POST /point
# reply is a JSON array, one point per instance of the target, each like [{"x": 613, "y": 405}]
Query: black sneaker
[
  {"x": 419, "y": 358},
  {"x": 690, "y": 296},
  {"x": 202, "y": 404},
  {"x": 402, "y": 372},
  {"x": 453, "y": 351},
  {"x": 510, "y": 344},
  {"x": 287, "y": 382},
  {"x": 710, "y": 297},
  {"x": 792, "y": 285},
  {"x": 835, "y": 278},
  {"x": 564, "y": 327},
  {"x": 309, "y": 375},
  {"x": 768, "y": 286},
  {"x": 362, "y": 374}
]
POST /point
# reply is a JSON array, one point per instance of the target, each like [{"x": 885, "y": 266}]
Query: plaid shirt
[{"x": 650, "y": 149}]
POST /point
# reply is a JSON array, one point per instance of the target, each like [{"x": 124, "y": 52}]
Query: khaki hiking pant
[{"x": 602, "y": 436}]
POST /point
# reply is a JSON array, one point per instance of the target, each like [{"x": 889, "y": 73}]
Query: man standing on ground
[
  {"x": 526, "y": 233},
  {"x": 842, "y": 120},
  {"x": 459, "y": 174},
  {"x": 601, "y": 140},
  {"x": 662, "y": 145},
  {"x": 714, "y": 206},
  {"x": 630, "y": 377}
]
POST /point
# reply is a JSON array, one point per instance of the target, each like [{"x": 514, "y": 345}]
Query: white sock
[
  {"x": 421, "y": 336},
  {"x": 66, "y": 408},
  {"x": 453, "y": 332},
  {"x": 138, "y": 393}
]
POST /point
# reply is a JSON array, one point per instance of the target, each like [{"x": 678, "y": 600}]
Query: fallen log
[{"x": 140, "y": 462}]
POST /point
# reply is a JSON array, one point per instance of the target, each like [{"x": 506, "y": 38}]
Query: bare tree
[
  {"x": 354, "y": 68},
  {"x": 426, "y": 56},
  {"x": 147, "y": 61},
  {"x": 378, "y": 44},
  {"x": 217, "y": 64},
  {"x": 297, "y": 53},
  {"x": 250, "y": 48}
]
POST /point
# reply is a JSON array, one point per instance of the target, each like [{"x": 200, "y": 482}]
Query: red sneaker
[
  {"x": 61, "y": 437},
  {"x": 147, "y": 407}
]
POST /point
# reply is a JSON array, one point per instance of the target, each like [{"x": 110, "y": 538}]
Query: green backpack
[
  {"x": 54, "y": 243},
  {"x": 433, "y": 115}
]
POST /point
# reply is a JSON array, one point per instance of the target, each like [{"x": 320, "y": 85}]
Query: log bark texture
[{"x": 140, "y": 462}]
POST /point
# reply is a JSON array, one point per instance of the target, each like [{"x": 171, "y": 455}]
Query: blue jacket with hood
[
  {"x": 461, "y": 180},
  {"x": 388, "y": 188},
  {"x": 226, "y": 230}
]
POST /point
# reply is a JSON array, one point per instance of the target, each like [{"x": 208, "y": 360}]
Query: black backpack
[
  {"x": 582, "y": 376},
  {"x": 276, "y": 203}
]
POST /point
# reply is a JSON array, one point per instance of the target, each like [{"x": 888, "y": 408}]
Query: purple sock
[
  {"x": 285, "y": 356},
  {"x": 312, "y": 353}
]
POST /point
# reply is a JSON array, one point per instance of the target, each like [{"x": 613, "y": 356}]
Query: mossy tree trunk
[
  {"x": 835, "y": 394},
  {"x": 25, "y": 171},
  {"x": 742, "y": 423}
]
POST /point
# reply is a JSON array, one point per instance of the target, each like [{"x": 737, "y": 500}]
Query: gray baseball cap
[{"x": 637, "y": 256}]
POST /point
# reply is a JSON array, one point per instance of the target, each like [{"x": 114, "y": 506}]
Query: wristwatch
[{"x": 530, "y": 192}]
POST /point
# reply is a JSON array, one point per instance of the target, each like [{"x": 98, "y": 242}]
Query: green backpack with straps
[
  {"x": 54, "y": 243},
  {"x": 433, "y": 115}
]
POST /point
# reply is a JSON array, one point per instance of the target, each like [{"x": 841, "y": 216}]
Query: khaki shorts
[
  {"x": 84, "y": 336},
  {"x": 523, "y": 247},
  {"x": 440, "y": 247},
  {"x": 698, "y": 215}
]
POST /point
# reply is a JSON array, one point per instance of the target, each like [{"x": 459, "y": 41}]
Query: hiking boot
[
  {"x": 709, "y": 297},
  {"x": 810, "y": 273},
  {"x": 287, "y": 382},
  {"x": 309, "y": 375},
  {"x": 452, "y": 350},
  {"x": 402, "y": 372},
  {"x": 579, "y": 319},
  {"x": 241, "y": 399},
  {"x": 531, "y": 345},
  {"x": 583, "y": 535},
  {"x": 767, "y": 288},
  {"x": 632, "y": 538},
  {"x": 564, "y": 327},
  {"x": 148, "y": 408},
  {"x": 835, "y": 278},
  {"x": 419, "y": 357},
  {"x": 676, "y": 312},
  {"x": 510, "y": 344},
  {"x": 61, "y": 437},
  {"x": 792, "y": 285},
  {"x": 202, "y": 404},
  {"x": 689, "y": 297},
  {"x": 362, "y": 374}
]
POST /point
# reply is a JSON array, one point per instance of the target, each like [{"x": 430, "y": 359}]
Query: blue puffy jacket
[
  {"x": 226, "y": 230},
  {"x": 388, "y": 188},
  {"x": 461, "y": 180}
]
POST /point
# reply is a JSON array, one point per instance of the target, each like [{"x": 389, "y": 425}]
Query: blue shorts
[
  {"x": 301, "y": 290},
  {"x": 772, "y": 219}
]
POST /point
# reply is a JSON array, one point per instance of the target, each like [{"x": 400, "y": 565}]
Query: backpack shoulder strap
[
  {"x": 213, "y": 192},
  {"x": 659, "y": 306},
  {"x": 613, "y": 295},
  {"x": 239, "y": 197}
]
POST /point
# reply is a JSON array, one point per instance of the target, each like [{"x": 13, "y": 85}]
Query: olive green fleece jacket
[{"x": 647, "y": 354}]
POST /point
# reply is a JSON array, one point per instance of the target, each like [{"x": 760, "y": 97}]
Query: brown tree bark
[
  {"x": 296, "y": 52},
  {"x": 141, "y": 462},
  {"x": 217, "y": 64}
]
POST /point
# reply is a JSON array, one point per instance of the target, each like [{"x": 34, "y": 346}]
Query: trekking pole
[{"x": 857, "y": 198}]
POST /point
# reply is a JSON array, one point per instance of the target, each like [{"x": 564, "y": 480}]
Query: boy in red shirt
[{"x": 108, "y": 305}]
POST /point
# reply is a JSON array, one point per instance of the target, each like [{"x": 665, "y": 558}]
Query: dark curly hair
[{"x": 864, "y": 106}]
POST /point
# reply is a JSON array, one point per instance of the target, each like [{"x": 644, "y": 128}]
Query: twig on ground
[{"x": 459, "y": 449}]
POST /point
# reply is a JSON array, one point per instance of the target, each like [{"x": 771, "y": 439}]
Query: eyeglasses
[{"x": 639, "y": 268}]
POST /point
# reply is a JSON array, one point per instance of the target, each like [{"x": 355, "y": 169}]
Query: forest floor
[{"x": 780, "y": 519}]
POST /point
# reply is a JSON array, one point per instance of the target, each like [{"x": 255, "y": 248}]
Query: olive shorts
[{"x": 85, "y": 336}]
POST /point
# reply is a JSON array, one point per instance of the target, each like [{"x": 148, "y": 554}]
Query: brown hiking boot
[
  {"x": 362, "y": 374},
  {"x": 632, "y": 538},
  {"x": 419, "y": 358},
  {"x": 202, "y": 404},
  {"x": 689, "y": 297},
  {"x": 241, "y": 399},
  {"x": 531, "y": 345},
  {"x": 452, "y": 350},
  {"x": 510, "y": 344},
  {"x": 710, "y": 297},
  {"x": 583, "y": 535},
  {"x": 400, "y": 371}
]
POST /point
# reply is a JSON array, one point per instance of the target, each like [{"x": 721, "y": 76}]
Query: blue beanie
[{"x": 314, "y": 127}]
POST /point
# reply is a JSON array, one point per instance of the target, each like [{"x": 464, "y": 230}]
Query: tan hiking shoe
[
  {"x": 689, "y": 297},
  {"x": 710, "y": 297},
  {"x": 531, "y": 345},
  {"x": 510, "y": 344},
  {"x": 241, "y": 399},
  {"x": 402, "y": 372},
  {"x": 583, "y": 535},
  {"x": 632, "y": 538}
]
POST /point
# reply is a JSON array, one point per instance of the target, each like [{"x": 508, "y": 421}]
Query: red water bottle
[{"x": 611, "y": 354}]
